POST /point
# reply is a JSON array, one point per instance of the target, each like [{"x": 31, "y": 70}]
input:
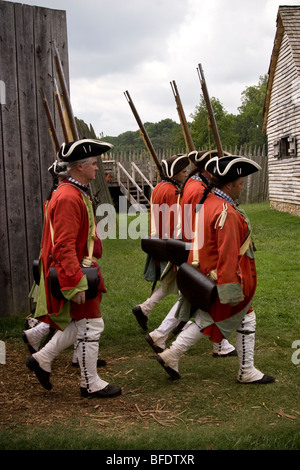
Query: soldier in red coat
[
  {"x": 165, "y": 223},
  {"x": 190, "y": 194},
  {"x": 226, "y": 255},
  {"x": 69, "y": 243}
]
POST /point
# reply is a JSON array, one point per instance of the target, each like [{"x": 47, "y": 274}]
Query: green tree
[
  {"x": 164, "y": 134},
  {"x": 249, "y": 121},
  {"x": 201, "y": 129},
  {"x": 236, "y": 131}
]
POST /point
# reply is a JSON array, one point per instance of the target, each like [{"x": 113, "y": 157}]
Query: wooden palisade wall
[
  {"x": 26, "y": 65},
  {"x": 255, "y": 188}
]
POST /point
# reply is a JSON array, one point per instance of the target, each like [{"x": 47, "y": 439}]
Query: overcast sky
[{"x": 142, "y": 45}]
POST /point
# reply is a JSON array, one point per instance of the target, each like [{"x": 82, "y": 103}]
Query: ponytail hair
[
  {"x": 192, "y": 173},
  {"x": 214, "y": 182}
]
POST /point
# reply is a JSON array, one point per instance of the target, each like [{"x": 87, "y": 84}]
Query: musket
[
  {"x": 60, "y": 110},
  {"x": 210, "y": 111},
  {"x": 68, "y": 116},
  {"x": 52, "y": 130},
  {"x": 144, "y": 135},
  {"x": 184, "y": 124},
  {"x": 65, "y": 94}
]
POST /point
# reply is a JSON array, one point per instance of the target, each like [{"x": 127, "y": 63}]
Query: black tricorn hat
[
  {"x": 232, "y": 167},
  {"x": 200, "y": 158},
  {"x": 173, "y": 165},
  {"x": 83, "y": 148}
]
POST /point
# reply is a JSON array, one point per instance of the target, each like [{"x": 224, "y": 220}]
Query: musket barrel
[
  {"x": 65, "y": 93},
  {"x": 210, "y": 111},
  {"x": 60, "y": 112},
  {"x": 184, "y": 124},
  {"x": 52, "y": 129},
  {"x": 144, "y": 134}
]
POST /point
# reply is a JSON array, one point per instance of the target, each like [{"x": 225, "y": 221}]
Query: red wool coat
[
  {"x": 163, "y": 220},
  {"x": 236, "y": 273},
  {"x": 192, "y": 193},
  {"x": 68, "y": 224}
]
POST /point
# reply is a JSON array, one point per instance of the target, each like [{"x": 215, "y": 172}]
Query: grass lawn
[{"x": 207, "y": 409}]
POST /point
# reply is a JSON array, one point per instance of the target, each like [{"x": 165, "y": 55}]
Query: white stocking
[
  {"x": 36, "y": 334},
  {"x": 89, "y": 332},
  {"x": 160, "y": 334},
  {"x": 222, "y": 348},
  {"x": 245, "y": 342},
  {"x": 75, "y": 355},
  {"x": 60, "y": 341},
  {"x": 186, "y": 339},
  {"x": 153, "y": 300}
]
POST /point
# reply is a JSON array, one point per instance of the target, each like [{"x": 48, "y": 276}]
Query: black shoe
[
  {"x": 231, "y": 353},
  {"x": 155, "y": 348},
  {"x": 141, "y": 317},
  {"x": 42, "y": 375},
  {"x": 25, "y": 339},
  {"x": 266, "y": 379},
  {"x": 172, "y": 373},
  {"x": 100, "y": 363},
  {"x": 109, "y": 391}
]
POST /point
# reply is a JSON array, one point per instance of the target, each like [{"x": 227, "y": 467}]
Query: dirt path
[{"x": 23, "y": 401}]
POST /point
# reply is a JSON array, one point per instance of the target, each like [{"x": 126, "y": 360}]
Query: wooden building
[{"x": 282, "y": 113}]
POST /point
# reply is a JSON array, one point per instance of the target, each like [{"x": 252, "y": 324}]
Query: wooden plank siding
[
  {"x": 282, "y": 111},
  {"x": 14, "y": 265},
  {"x": 26, "y": 65}
]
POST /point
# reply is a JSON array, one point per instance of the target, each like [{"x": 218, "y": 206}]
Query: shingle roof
[{"x": 288, "y": 22}]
